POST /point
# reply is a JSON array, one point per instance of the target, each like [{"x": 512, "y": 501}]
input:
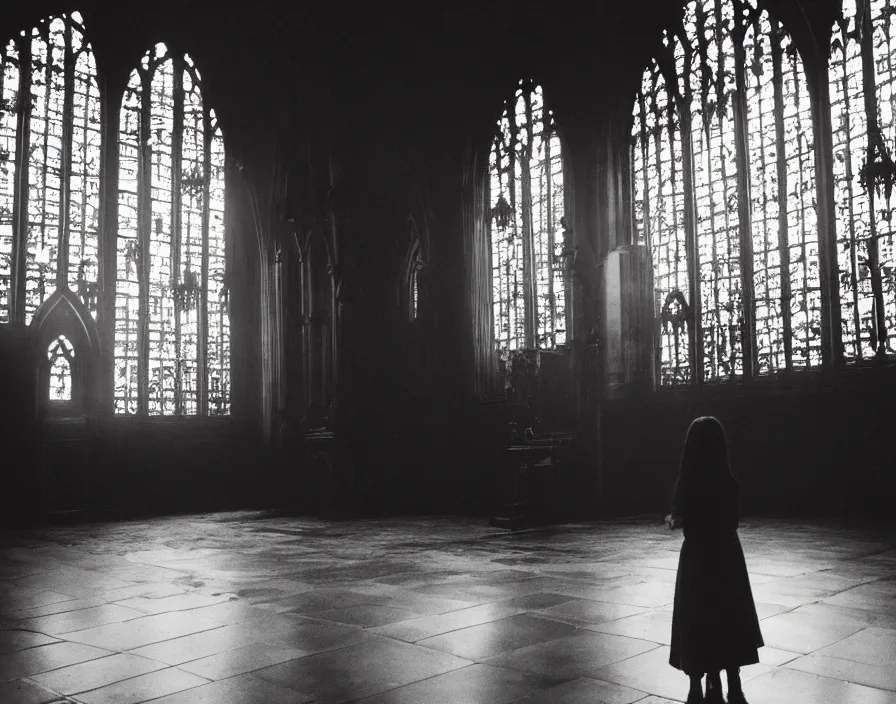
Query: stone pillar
[{"x": 628, "y": 319}]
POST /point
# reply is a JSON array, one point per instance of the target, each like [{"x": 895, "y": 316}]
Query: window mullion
[
  {"x": 144, "y": 200},
  {"x": 177, "y": 278},
  {"x": 547, "y": 128},
  {"x": 530, "y": 302},
  {"x": 21, "y": 186},
  {"x": 65, "y": 171},
  {"x": 745, "y": 228},
  {"x": 202, "y": 332},
  {"x": 695, "y": 328}
]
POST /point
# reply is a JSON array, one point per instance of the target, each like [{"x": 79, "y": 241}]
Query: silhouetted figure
[{"x": 714, "y": 622}]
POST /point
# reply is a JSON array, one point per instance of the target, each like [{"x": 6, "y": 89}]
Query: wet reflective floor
[{"x": 250, "y": 607}]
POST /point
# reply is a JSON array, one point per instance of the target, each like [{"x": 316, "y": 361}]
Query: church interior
[{"x": 348, "y": 351}]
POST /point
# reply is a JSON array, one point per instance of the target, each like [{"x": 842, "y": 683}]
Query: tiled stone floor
[{"x": 252, "y": 608}]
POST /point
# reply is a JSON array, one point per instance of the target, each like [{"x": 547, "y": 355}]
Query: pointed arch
[
  {"x": 414, "y": 262},
  {"x": 172, "y": 328},
  {"x": 724, "y": 181},
  {"x": 49, "y": 167},
  {"x": 526, "y": 205},
  {"x": 64, "y": 317}
]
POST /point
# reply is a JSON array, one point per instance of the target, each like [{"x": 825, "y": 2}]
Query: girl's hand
[{"x": 672, "y": 522}]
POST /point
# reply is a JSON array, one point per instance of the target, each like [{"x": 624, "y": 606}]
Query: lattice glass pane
[
  {"x": 782, "y": 215},
  {"x": 189, "y": 274},
  {"x": 712, "y": 85},
  {"x": 659, "y": 213},
  {"x": 127, "y": 289},
  {"x": 45, "y": 163},
  {"x": 782, "y": 139},
  {"x": 171, "y": 247},
  {"x": 527, "y": 200},
  {"x": 84, "y": 190},
  {"x": 60, "y": 354},
  {"x": 854, "y": 216},
  {"x": 218, "y": 354},
  {"x": 9, "y": 93},
  {"x": 160, "y": 324}
]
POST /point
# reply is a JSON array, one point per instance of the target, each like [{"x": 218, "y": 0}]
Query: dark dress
[{"x": 714, "y": 621}]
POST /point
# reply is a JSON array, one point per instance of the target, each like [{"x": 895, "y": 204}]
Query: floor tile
[
  {"x": 46, "y": 657},
  {"x": 96, "y": 673},
  {"x": 876, "y": 676},
  {"x": 243, "y": 689},
  {"x": 655, "y": 626},
  {"x": 872, "y": 646},
  {"x": 490, "y": 639},
  {"x": 585, "y": 691},
  {"x": 648, "y": 672},
  {"x": 590, "y": 612},
  {"x": 176, "y": 602},
  {"x": 82, "y": 619},
  {"x": 580, "y": 655},
  {"x": 31, "y": 598},
  {"x": 241, "y": 660},
  {"x": 13, "y": 640},
  {"x": 197, "y": 645},
  {"x": 143, "y": 688},
  {"x": 142, "y": 631},
  {"x": 427, "y": 626},
  {"x": 476, "y": 684},
  {"x": 294, "y": 631},
  {"x": 802, "y": 634},
  {"x": 366, "y": 615},
  {"x": 786, "y": 686},
  {"x": 25, "y": 692},
  {"x": 361, "y": 670}
]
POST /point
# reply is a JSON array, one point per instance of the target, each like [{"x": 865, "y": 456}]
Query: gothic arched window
[
  {"x": 414, "y": 262},
  {"x": 172, "y": 327},
  {"x": 527, "y": 205},
  {"x": 61, "y": 356},
  {"x": 49, "y": 167},
  {"x": 863, "y": 53},
  {"x": 724, "y": 183}
]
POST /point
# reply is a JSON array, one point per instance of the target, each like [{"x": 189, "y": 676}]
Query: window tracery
[
  {"x": 724, "y": 183},
  {"x": 172, "y": 332},
  {"x": 527, "y": 204},
  {"x": 51, "y": 140}
]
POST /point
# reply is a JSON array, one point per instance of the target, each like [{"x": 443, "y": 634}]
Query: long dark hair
[{"x": 705, "y": 468}]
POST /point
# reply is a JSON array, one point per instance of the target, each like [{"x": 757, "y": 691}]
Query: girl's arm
[{"x": 673, "y": 521}]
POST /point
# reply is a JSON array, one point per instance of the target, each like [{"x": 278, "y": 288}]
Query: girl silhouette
[{"x": 714, "y": 621}]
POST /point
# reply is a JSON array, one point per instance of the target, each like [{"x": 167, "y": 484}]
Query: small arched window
[
  {"x": 414, "y": 263},
  {"x": 61, "y": 356}
]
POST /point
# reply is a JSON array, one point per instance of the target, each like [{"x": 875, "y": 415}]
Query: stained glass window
[
  {"x": 863, "y": 53},
  {"x": 53, "y": 140},
  {"x": 723, "y": 159},
  {"x": 172, "y": 328},
  {"x": 527, "y": 205},
  {"x": 60, "y": 354}
]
